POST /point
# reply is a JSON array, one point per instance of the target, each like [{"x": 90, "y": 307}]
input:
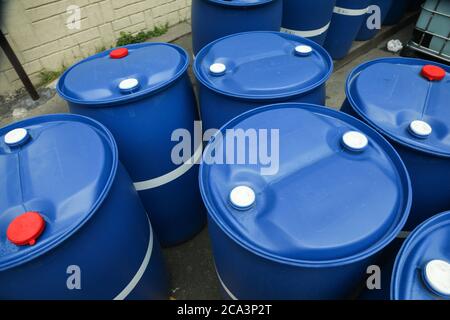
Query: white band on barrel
[
  {"x": 169, "y": 177},
  {"x": 307, "y": 33},
  {"x": 350, "y": 12},
  {"x": 137, "y": 277}
]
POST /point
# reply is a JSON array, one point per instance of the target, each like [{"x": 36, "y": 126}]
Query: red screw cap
[
  {"x": 433, "y": 73},
  {"x": 26, "y": 228},
  {"x": 118, "y": 53}
]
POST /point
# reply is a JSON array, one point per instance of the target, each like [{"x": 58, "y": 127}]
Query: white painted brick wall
[{"x": 37, "y": 30}]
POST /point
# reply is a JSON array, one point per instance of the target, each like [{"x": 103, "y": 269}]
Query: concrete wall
[{"x": 44, "y": 36}]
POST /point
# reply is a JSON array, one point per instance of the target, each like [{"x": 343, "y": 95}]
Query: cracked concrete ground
[{"x": 191, "y": 265}]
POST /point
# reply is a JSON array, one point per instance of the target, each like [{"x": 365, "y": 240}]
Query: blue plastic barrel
[
  {"x": 142, "y": 93},
  {"x": 307, "y": 223},
  {"x": 248, "y": 70},
  {"x": 396, "y": 12},
  {"x": 307, "y": 18},
  {"x": 346, "y": 22},
  {"x": 414, "y": 5},
  {"x": 407, "y": 101},
  {"x": 386, "y": 265},
  {"x": 376, "y": 15},
  {"x": 214, "y": 19},
  {"x": 422, "y": 267},
  {"x": 71, "y": 224}
]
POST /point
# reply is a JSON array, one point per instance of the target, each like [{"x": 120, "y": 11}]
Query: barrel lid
[
  {"x": 52, "y": 183},
  {"x": 240, "y": 3},
  {"x": 327, "y": 204},
  {"x": 16, "y": 137},
  {"x": 406, "y": 100},
  {"x": 422, "y": 267},
  {"x": 263, "y": 65},
  {"x": 123, "y": 74}
]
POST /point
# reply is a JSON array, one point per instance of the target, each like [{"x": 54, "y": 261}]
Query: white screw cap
[
  {"x": 355, "y": 140},
  {"x": 217, "y": 69},
  {"x": 128, "y": 84},
  {"x": 242, "y": 197},
  {"x": 437, "y": 276},
  {"x": 16, "y": 136},
  {"x": 420, "y": 128},
  {"x": 303, "y": 50}
]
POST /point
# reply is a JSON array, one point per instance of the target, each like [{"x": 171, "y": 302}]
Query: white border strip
[
  {"x": 230, "y": 294},
  {"x": 137, "y": 277},
  {"x": 307, "y": 33},
  {"x": 169, "y": 177},
  {"x": 350, "y": 12}
]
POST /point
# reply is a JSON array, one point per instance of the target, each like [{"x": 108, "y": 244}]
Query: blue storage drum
[
  {"x": 377, "y": 11},
  {"x": 422, "y": 267},
  {"x": 416, "y": 268},
  {"x": 214, "y": 19},
  {"x": 307, "y": 18},
  {"x": 142, "y": 93},
  {"x": 407, "y": 101},
  {"x": 249, "y": 70},
  {"x": 309, "y": 227},
  {"x": 397, "y": 11},
  {"x": 69, "y": 208},
  {"x": 348, "y": 17},
  {"x": 414, "y": 5}
]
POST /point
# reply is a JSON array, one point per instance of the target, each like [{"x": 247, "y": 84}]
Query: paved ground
[{"x": 190, "y": 265}]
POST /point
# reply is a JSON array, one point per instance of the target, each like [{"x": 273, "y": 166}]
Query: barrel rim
[
  {"x": 425, "y": 228},
  {"x": 214, "y": 214},
  {"x": 130, "y": 97},
  {"x": 254, "y": 97},
  {"x": 226, "y": 3},
  {"x": 354, "y": 74},
  {"x": 97, "y": 204}
]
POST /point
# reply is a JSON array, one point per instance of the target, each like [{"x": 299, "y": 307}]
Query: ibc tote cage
[{"x": 423, "y": 36}]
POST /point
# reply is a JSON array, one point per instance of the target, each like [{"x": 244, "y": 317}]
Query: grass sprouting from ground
[
  {"x": 48, "y": 76},
  {"x": 128, "y": 38}
]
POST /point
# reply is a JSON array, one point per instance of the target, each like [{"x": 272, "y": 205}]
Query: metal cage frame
[{"x": 422, "y": 36}]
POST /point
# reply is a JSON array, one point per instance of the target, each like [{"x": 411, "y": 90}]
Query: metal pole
[{"x": 18, "y": 67}]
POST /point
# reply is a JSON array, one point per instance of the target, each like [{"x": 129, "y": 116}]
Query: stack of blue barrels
[
  {"x": 328, "y": 195},
  {"x": 334, "y": 24}
]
